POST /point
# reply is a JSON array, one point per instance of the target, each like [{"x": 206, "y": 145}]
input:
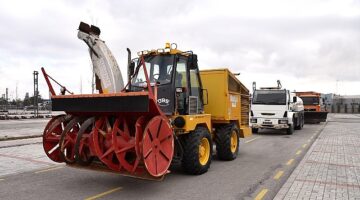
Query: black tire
[
  {"x": 191, "y": 161},
  {"x": 298, "y": 124},
  {"x": 301, "y": 123},
  {"x": 255, "y": 130},
  {"x": 291, "y": 128},
  {"x": 223, "y": 142}
]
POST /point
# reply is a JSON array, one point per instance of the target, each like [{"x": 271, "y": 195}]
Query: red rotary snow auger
[{"x": 125, "y": 132}]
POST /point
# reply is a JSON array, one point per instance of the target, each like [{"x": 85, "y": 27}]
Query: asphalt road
[{"x": 265, "y": 161}]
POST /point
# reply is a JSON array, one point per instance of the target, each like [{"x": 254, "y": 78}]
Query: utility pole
[
  {"x": 6, "y": 98},
  {"x": 16, "y": 91},
  {"x": 36, "y": 94},
  {"x": 16, "y": 96}
]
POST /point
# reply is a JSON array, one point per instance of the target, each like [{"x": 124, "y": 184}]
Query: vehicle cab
[{"x": 276, "y": 108}]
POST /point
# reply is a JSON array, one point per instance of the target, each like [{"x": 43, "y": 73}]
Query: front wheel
[
  {"x": 255, "y": 130},
  {"x": 290, "y": 130},
  {"x": 197, "y": 151}
]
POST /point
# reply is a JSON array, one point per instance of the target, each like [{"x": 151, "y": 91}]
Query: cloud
[{"x": 308, "y": 44}]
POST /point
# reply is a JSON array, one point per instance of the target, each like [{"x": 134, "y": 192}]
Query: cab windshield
[
  {"x": 159, "y": 68},
  {"x": 310, "y": 100},
  {"x": 269, "y": 97}
]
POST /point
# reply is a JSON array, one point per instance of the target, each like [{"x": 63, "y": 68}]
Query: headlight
[
  {"x": 179, "y": 122},
  {"x": 283, "y": 121},
  {"x": 253, "y": 120}
]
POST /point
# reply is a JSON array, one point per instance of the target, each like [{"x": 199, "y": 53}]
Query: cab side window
[
  {"x": 181, "y": 81},
  {"x": 195, "y": 89}
]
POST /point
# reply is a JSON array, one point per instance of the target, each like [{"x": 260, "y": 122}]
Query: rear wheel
[
  {"x": 301, "y": 123},
  {"x": 197, "y": 151},
  {"x": 227, "y": 142}
]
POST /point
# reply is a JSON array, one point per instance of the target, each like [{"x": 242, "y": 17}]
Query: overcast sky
[{"x": 308, "y": 45}]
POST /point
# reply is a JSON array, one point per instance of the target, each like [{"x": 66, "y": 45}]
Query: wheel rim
[
  {"x": 204, "y": 151},
  {"x": 233, "y": 141}
]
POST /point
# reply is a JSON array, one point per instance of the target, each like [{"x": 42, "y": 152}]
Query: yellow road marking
[
  {"x": 49, "y": 169},
  {"x": 278, "y": 175},
  {"x": 251, "y": 140},
  {"x": 261, "y": 194},
  {"x": 103, "y": 194},
  {"x": 298, "y": 152},
  {"x": 1, "y": 179},
  {"x": 290, "y": 162},
  {"x": 304, "y": 145}
]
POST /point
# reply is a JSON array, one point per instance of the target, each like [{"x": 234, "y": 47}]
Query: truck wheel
[
  {"x": 255, "y": 130},
  {"x": 298, "y": 125},
  {"x": 290, "y": 130},
  {"x": 227, "y": 142},
  {"x": 197, "y": 151},
  {"x": 301, "y": 123}
]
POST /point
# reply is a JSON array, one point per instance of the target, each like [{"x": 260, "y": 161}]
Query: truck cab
[
  {"x": 276, "y": 108},
  {"x": 314, "y": 107}
]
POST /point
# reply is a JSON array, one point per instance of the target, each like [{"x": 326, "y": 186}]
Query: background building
[{"x": 342, "y": 103}]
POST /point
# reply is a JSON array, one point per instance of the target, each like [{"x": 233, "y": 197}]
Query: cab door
[
  {"x": 181, "y": 81},
  {"x": 195, "y": 102}
]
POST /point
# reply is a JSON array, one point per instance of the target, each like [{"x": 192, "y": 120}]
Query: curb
[
  {"x": 10, "y": 117},
  {"x": 19, "y": 138}
]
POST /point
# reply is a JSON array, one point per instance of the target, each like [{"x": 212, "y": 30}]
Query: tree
[{"x": 27, "y": 101}]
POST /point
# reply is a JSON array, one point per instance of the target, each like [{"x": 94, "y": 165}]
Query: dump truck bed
[{"x": 228, "y": 99}]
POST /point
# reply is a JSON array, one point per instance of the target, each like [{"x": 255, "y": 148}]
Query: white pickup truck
[{"x": 276, "y": 108}]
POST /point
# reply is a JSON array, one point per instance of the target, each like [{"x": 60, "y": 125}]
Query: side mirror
[{"x": 294, "y": 99}]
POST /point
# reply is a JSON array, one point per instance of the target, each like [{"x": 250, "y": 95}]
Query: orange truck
[{"x": 314, "y": 108}]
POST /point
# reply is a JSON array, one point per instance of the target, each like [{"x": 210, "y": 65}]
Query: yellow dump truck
[
  {"x": 168, "y": 112},
  {"x": 228, "y": 99}
]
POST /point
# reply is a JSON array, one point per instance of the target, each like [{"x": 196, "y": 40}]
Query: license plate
[{"x": 268, "y": 123}]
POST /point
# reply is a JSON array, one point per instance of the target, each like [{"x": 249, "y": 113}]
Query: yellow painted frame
[{"x": 191, "y": 121}]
